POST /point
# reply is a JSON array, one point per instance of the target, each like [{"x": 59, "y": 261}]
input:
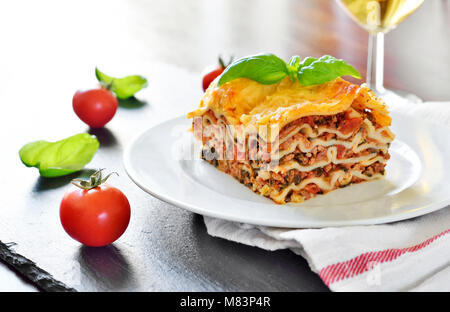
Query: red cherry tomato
[
  {"x": 95, "y": 217},
  {"x": 95, "y": 107},
  {"x": 210, "y": 76},
  {"x": 213, "y": 73}
]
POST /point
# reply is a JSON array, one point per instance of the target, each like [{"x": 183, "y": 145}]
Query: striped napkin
[{"x": 411, "y": 255}]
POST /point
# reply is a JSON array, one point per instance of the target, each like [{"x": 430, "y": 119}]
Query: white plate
[{"x": 416, "y": 182}]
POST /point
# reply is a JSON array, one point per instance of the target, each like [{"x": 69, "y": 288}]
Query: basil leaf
[
  {"x": 293, "y": 67},
  {"x": 104, "y": 79},
  {"x": 307, "y": 61},
  {"x": 54, "y": 159},
  {"x": 263, "y": 68},
  {"x": 125, "y": 87},
  {"x": 317, "y": 71},
  {"x": 270, "y": 69}
]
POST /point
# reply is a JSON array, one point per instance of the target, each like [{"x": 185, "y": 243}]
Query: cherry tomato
[
  {"x": 210, "y": 76},
  {"x": 213, "y": 73},
  {"x": 95, "y": 107},
  {"x": 95, "y": 216}
]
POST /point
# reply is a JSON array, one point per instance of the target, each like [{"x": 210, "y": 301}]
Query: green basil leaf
[
  {"x": 125, "y": 87},
  {"x": 54, "y": 159},
  {"x": 104, "y": 79},
  {"x": 263, "y": 68},
  {"x": 306, "y": 62},
  {"x": 317, "y": 71},
  {"x": 293, "y": 67}
]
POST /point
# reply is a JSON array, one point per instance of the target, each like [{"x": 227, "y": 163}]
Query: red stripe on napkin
[{"x": 366, "y": 261}]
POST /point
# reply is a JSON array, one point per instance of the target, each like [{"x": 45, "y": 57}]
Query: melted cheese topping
[{"x": 244, "y": 101}]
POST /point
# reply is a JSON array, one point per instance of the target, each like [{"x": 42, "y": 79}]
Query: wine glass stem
[{"x": 375, "y": 62}]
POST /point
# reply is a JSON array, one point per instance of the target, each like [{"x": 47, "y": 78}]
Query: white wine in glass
[{"x": 378, "y": 17}]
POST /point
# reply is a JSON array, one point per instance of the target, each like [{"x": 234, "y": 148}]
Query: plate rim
[{"x": 126, "y": 158}]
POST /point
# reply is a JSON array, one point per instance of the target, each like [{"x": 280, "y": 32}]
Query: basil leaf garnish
[
  {"x": 125, "y": 87},
  {"x": 293, "y": 67},
  {"x": 307, "y": 61},
  {"x": 55, "y": 159},
  {"x": 269, "y": 69},
  {"x": 317, "y": 71},
  {"x": 263, "y": 68}
]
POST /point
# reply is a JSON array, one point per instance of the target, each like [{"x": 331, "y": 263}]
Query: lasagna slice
[{"x": 290, "y": 142}]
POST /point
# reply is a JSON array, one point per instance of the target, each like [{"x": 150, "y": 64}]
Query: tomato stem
[
  {"x": 109, "y": 85},
  {"x": 223, "y": 64},
  {"x": 95, "y": 180}
]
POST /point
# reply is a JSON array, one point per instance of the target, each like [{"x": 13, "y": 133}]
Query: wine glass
[{"x": 378, "y": 17}]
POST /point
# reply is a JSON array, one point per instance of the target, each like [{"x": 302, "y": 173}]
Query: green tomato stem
[{"x": 95, "y": 180}]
